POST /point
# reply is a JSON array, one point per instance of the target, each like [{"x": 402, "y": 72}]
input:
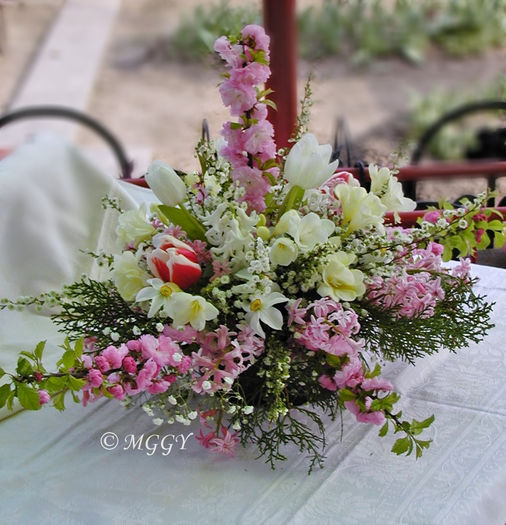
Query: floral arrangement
[{"x": 264, "y": 292}]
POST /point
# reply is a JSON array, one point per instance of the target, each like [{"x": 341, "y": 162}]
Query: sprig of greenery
[
  {"x": 96, "y": 309},
  {"x": 460, "y": 318}
]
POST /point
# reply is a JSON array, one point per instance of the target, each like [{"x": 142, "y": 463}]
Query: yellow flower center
[
  {"x": 255, "y": 305},
  {"x": 195, "y": 308},
  {"x": 166, "y": 290}
]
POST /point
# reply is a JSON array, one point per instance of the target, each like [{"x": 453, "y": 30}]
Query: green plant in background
[
  {"x": 195, "y": 36},
  {"x": 452, "y": 140},
  {"x": 466, "y": 27},
  {"x": 360, "y": 29}
]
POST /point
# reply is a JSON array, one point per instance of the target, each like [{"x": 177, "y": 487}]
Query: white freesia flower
[
  {"x": 133, "y": 226},
  {"x": 307, "y": 164},
  {"x": 387, "y": 187},
  {"x": 165, "y": 183},
  {"x": 160, "y": 294},
  {"x": 283, "y": 251},
  {"x": 128, "y": 277},
  {"x": 193, "y": 309},
  {"x": 261, "y": 308},
  {"x": 360, "y": 210},
  {"x": 307, "y": 231},
  {"x": 340, "y": 282}
]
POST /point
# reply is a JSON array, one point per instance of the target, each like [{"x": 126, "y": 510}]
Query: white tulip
[
  {"x": 165, "y": 183},
  {"x": 307, "y": 164}
]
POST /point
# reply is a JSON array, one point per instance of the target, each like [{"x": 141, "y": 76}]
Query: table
[{"x": 54, "y": 470}]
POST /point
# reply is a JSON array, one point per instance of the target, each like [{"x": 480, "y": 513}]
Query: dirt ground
[{"x": 153, "y": 102}]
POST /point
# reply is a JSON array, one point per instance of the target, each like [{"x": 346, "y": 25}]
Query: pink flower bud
[
  {"x": 38, "y": 376},
  {"x": 95, "y": 378},
  {"x": 44, "y": 397},
  {"x": 129, "y": 365}
]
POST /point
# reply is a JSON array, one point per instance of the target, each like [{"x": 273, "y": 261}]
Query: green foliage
[
  {"x": 453, "y": 139},
  {"x": 195, "y": 36},
  {"x": 96, "y": 309},
  {"x": 361, "y": 29},
  {"x": 460, "y": 318}
]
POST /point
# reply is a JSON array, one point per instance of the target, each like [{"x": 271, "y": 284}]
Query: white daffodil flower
[
  {"x": 160, "y": 294},
  {"x": 133, "y": 226},
  {"x": 307, "y": 231},
  {"x": 165, "y": 183},
  {"x": 388, "y": 188},
  {"x": 307, "y": 164},
  {"x": 262, "y": 309},
  {"x": 185, "y": 308},
  {"x": 340, "y": 282},
  {"x": 360, "y": 210},
  {"x": 128, "y": 277}
]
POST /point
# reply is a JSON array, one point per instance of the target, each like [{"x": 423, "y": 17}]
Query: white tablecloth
[{"x": 53, "y": 469}]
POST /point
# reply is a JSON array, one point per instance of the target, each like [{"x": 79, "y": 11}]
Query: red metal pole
[{"x": 280, "y": 25}]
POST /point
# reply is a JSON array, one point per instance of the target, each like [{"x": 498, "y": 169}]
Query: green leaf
[
  {"x": 28, "y": 397},
  {"x": 39, "y": 349},
  {"x": 75, "y": 383},
  {"x": 333, "y": 360},
  {"x": 78, "y": 348},
  {"x": 54, "y": 384},
  {"x": 403, "y": 446},
  {"x": 270, "y": 103},
  {"x": 346, "y": 395},
  {"x": 59, "y": 401},
  {"x": 235, "y": 125},
  {"x": 10, "y": 400},
  {"x": 292, "y": 200},
  {"x": 2, "y": 372},
  {"x": 67, "y": 360},
  {"x": 383, "y": 430},
  {"x": 24, "y": 368},
  {"x": 183, "y": 218},
  {"x": 418, "y": 426},
  {"x": 499, "y": 240},
  {"x": 5, "y": 390}
]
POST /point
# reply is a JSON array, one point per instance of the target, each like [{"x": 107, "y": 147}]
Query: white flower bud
[{"x": 165, "y": 183}]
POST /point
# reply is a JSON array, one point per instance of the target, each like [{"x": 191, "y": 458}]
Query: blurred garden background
[{"x": 389, "y": 68}]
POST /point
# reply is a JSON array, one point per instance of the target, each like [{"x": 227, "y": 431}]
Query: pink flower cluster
[
  {"x": 147, "y": 364},
  {"x": 250, "y": 142},
  {"x": 417, "y": 289},
  {"x": 211, "y": 440},
  {"x": 331, "y": 329},
  {"x": 221, "y": 357}
]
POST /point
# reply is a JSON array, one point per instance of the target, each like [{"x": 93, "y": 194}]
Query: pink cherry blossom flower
[
  {"x": 95, "y": 378},
  {"x": 256, "y": 33},
  {"x": 376, "y": 418},
  {"x": 350, "y": 375}
]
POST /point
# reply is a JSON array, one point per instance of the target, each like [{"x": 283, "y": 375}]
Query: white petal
[{"x": 272, "y": 317}]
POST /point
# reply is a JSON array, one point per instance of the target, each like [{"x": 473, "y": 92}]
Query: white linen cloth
[
  {"x": 50, "y": 209},
  {"x": 53, "y": 469}
]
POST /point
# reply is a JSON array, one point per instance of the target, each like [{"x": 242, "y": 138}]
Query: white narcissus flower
[
  {"x": 127, "y": 276},
  {"x": 340, "y": 282},
  {"x": 307, "y": 231},
  {"x": 262, "y": 309},
  {"x": 193, "y": 309},
  {"x": 133, "y": 226},
  {"x": 165, "y": 183},
  {"x": 359, "y": 209},
  {"x": 307, "y": 164},
  {"x": 160, "y": 294},
  {"x": 283, "y": 251},
  {"x": 387, "y": 187}
]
